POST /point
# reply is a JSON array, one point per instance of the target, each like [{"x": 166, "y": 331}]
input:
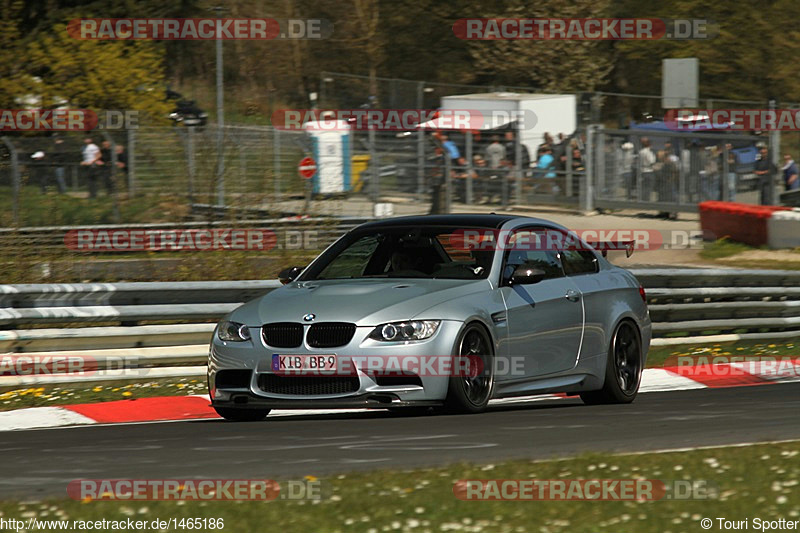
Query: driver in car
[{"x": 402, "y": 260}]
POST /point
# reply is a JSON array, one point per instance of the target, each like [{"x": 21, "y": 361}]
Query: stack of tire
[{"x": 756, "y": 225}]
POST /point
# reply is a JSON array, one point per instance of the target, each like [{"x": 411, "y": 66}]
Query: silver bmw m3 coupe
[{"x": 441, "y": 311}]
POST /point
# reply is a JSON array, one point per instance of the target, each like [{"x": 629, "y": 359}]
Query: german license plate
[{"x": 304, "y": 364}]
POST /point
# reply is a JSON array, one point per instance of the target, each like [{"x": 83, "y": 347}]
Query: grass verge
[
  {"x": 109, "y": 392},
  {"x": 723, "y": 248},
  {"x": 737, "y": 255},
  {"x": 660, "y": 355},
  {"x": 759, "y": 481}
]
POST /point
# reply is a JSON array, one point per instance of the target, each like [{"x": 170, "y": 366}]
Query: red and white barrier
[{"x": 756, "y": 225}]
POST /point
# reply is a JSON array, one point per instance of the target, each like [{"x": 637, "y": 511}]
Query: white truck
[{"x": 553, "y": 113}]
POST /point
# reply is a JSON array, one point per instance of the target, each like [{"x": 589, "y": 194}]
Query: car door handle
[{"x": 572, "y": 296}]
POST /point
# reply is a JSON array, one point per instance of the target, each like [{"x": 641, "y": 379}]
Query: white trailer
[{"x": 554, "y": 113}]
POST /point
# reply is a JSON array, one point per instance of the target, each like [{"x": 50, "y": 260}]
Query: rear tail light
[{"x": 642, "y": 294}]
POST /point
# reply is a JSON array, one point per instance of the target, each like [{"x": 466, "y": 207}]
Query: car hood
[{"x": 366, "y": 302}]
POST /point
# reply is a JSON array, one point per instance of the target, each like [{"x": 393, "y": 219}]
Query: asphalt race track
[{"x": 40, "y": 463}]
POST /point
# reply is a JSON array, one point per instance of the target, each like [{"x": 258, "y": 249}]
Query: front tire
[
  {"x": 623, "y": 368},
  {"x": 470, "y": 393},
  {"x": 233, "y": 414}
]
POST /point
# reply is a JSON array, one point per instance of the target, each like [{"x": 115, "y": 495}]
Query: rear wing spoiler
[{"x": 604, "y": 246}]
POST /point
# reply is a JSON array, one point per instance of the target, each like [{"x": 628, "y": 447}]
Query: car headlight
[
  {"x": 412, "y": 330},
  {"x": 233, "y": 331}
]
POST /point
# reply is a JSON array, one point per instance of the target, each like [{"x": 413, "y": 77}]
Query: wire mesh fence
[
  {"x": 174, "y": 174},
  {"x": 673, "y": 172}
]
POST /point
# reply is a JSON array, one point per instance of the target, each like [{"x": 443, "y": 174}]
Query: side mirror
[
  {"x": 524, "y": 275},
  {"x": 289, "y": 274}
]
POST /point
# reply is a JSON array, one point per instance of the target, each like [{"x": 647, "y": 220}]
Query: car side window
[
  {"x": 527, "y": 247},
  {"x": 352, "y": 262},
  {"x": 577, "y": 262}
]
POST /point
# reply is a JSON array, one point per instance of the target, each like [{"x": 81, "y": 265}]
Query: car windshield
[{"x": 402, "y": 252}]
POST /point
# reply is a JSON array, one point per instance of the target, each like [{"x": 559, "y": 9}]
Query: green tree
[
  {"x": 15, "y": 81},
  {"x": 101, "y": 75},
  {"x": 547, "y": 65},
  {"x": 751, "y": 58}
]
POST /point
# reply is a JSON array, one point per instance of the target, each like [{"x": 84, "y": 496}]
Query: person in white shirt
[
  {"x": 647, "y": 160},
  {"x": 91, "y": 160}
]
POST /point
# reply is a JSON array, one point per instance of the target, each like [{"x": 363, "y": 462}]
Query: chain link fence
[
  {"x": 173, "y": 174},
  {"x": 673, "y": 172}
]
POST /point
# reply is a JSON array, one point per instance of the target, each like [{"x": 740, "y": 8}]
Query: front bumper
[{"x": 254, "y": 356}]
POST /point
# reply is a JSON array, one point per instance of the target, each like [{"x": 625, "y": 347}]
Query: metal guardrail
[{"x": 686, "y": 306}]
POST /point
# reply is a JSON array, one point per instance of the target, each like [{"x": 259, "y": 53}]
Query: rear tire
[
  {"x": 241, "y": 415},
  {"x": 471, "y": 393},
  {"x": 623, "y": 368}
]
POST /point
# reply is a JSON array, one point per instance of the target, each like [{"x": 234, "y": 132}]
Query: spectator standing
[
  {"x": 495, "y": 153},
  {"x": 577, "y": 160},
  {"x": 627, "y": 167},
  {"x": 546, "y": 164},
  {"x": 547, "y": 143},
  {"x": 482, "y": 176},
  {"x": 452, "y": 149},
  {"x": 511, "y": 153},
  {"x": 106, "y": 169},
  {"x": 790, "y": 180},
  {"x": 91, "y": 160},
  {"x": 122, "y": 162},
  {"x": 38, "y": 170},
  {"x": 647, "y": 159},
  {"x": 560, "y": 152},
  {"x": 765, "y": 170},
  {"x": 709, "y": 176},
  {"x": 545, "y": 168},
  {"x": 667, "y": 175},
  {"x": 731, "y": 172},
  {"x": 58, "y": 158}
]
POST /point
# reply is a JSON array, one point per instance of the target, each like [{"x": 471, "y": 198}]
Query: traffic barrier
[
  {"x": 686, "y": 306},
  {"x": 783, "y": 229},
  {"x": 743, "y": 223}
]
